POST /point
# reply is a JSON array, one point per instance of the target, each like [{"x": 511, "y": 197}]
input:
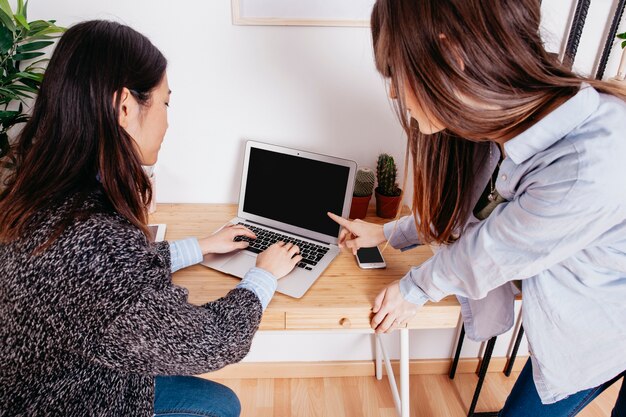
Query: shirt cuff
[
  {"x": 260, "y": 282},
  {"x": 411, "y": 292},
  {"x": 185, "y": 253},
  {"x": 395, "y": 235}
]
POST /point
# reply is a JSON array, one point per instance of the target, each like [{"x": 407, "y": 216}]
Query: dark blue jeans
[
  {"x": 185, "y": 396},
  {"x": 524, "y": 400}
]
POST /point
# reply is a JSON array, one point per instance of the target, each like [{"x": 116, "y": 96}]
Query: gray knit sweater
[{"x": 87, "y": 324}]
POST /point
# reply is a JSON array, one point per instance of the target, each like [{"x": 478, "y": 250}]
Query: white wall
[
  {"x": 310, "y": 88},
  {"x": 305, "y": 87}
]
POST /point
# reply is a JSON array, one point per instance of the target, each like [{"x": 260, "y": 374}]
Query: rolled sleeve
[
  {"x": 411, "y": 292},
  {"x": 260, "y": 282},
  {"x": 185, "y": 253},
  {"x": 544, "y": 226},
  {"x": 402, "y": 234}
]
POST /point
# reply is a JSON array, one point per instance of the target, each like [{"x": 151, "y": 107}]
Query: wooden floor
[{"x": 431, "y": 396}]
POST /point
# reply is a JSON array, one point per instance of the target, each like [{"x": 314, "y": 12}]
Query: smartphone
[
  {"x": 370, "y": 258},
  {"x": 157, "y": 232}
]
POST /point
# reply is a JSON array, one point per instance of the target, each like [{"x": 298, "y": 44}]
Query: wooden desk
[{"x": 341, "y": 298}]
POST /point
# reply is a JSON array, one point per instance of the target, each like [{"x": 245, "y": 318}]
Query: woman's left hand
[
  {"x": 391, "y": 309},
  {"x": 223, "y": 241}
]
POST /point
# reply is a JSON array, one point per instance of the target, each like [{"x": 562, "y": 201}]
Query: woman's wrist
[
  {"x": 381, "y": 234},
  {"x": 205, "y": 245}
]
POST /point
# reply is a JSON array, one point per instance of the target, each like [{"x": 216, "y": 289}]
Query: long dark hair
[
  {"x": 73, "y": 142},
  {"x": 453, "y": 52}
]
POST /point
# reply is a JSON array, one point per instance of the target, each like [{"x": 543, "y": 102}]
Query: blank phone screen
[{"x": 369, "y": 255}]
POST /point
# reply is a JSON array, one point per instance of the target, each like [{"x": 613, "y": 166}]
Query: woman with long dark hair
[
  {"x": 91, "y": 324},
  {"x": 518, "y": 181}
]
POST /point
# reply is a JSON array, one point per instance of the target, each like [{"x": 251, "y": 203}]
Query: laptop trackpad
[{"x": 240, "y": 264}]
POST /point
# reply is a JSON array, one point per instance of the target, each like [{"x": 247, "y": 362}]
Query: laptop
[{"x": 285, "y": 195}]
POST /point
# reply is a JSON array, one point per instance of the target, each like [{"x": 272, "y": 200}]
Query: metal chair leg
[
  {"x": 484, "y": 365},
  {"x": 457, "y": 354},
  {"x": 511, "y": 361}
]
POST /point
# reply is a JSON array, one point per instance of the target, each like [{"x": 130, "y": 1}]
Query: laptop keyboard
[{"x": 311, "y": 253}]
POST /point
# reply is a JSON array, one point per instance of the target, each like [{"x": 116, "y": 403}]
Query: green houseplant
[
  {"x": 363, "y": 190},
  {"x": 21, "y": 66},
  {"x": 388, "y": 194}
]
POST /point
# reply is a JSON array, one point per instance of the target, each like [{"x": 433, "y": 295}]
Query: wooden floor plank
[
  {"x": 282, "y": 398},
  {"x": 431, "y": 396}
]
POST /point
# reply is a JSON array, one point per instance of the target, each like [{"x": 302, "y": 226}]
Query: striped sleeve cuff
[
  {"x": 185, "y": 253},
  {"x": 260, "y": 282}
]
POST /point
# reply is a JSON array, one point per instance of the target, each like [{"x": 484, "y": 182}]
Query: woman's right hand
[
  {"x": 279, "y": 259},
  {"x": 356, "y": 234}
]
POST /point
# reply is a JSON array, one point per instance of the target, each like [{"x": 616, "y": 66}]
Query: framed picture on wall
[{"x": 302, "y": 12}]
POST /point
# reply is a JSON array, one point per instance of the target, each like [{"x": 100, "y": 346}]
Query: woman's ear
[{"x": 127, "y": 106}]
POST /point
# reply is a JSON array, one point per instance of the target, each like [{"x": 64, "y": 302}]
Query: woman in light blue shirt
[{"x": 518, "y": 175}]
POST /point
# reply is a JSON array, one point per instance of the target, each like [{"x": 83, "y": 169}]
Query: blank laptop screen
[{"x": 295, "y": 190}]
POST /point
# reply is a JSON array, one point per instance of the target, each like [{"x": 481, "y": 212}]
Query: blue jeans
[
  {"x": 185, "y": 396},
  {"x": 524, "y": 400}
]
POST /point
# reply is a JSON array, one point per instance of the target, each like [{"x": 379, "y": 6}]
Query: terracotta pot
[
  {"x": 387, "y": 207},
  {"x": 358, "y": 209}
]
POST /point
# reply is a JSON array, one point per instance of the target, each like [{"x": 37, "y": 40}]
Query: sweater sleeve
[
  {"x": 161, "y": 333},
  {"x": 152, "y": 328}
]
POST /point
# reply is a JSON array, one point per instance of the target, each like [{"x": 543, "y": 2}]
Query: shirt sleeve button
[{"x": 503, "y": 178}]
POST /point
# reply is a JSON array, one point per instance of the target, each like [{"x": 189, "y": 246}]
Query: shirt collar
[{"x": 554, "y": 126}]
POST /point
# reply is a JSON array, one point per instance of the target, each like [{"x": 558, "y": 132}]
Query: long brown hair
[
  {"x": 73, "y": 143},
  {"x": 450, "y": 53}
]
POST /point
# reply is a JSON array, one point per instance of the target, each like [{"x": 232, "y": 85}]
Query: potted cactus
[
  {"x": 388, "y": 194},
  {"x": 363, "y": 189}
]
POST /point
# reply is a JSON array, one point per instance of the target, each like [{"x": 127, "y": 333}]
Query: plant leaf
[
  {"x": 31, "y": 83},
  {"x": 27, "y": 55},
  {"x": 35, "y": 76},
  {"x": 5, "y": 92},
  {"x": 6, "y": 40},
  {"x": 7, "y": 21},
  {"x": 8, "y": 114},
  {"x": 34, "y": 66},
  {"x": 622, "y": 35},
  {"x": 37, "y": 25},
  {"x": 6, "y": 7},
  {"x": 623, "y": 44},
  {"x": 33, "y": 46},
  {"x": 20, "y": 7},
  {"x": 22, "y": 21},
  {"x": 50, "y": 30},
  {"x": 23, "y": 88}
]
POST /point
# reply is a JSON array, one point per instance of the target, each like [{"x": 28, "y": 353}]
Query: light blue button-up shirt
[
  {"x": 562, "y": 232},
  {"x": 186, "y": 252}
]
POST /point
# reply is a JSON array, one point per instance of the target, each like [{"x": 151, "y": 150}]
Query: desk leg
[
  {"x": 401, "y": 399},
  {"x": 404, "y": 371},
  {"x": 390, "y": 376}
]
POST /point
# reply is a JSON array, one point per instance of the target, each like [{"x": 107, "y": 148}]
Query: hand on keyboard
[
  {"x": 228, "y": 239},
  {"x": 279, "y": 259},
  {"x": 311, "y": 252}
]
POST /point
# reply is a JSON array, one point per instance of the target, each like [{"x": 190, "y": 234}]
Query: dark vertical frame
[
  {"x": 610, "y": 39},
  {"x": 576, "y": 31}
]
